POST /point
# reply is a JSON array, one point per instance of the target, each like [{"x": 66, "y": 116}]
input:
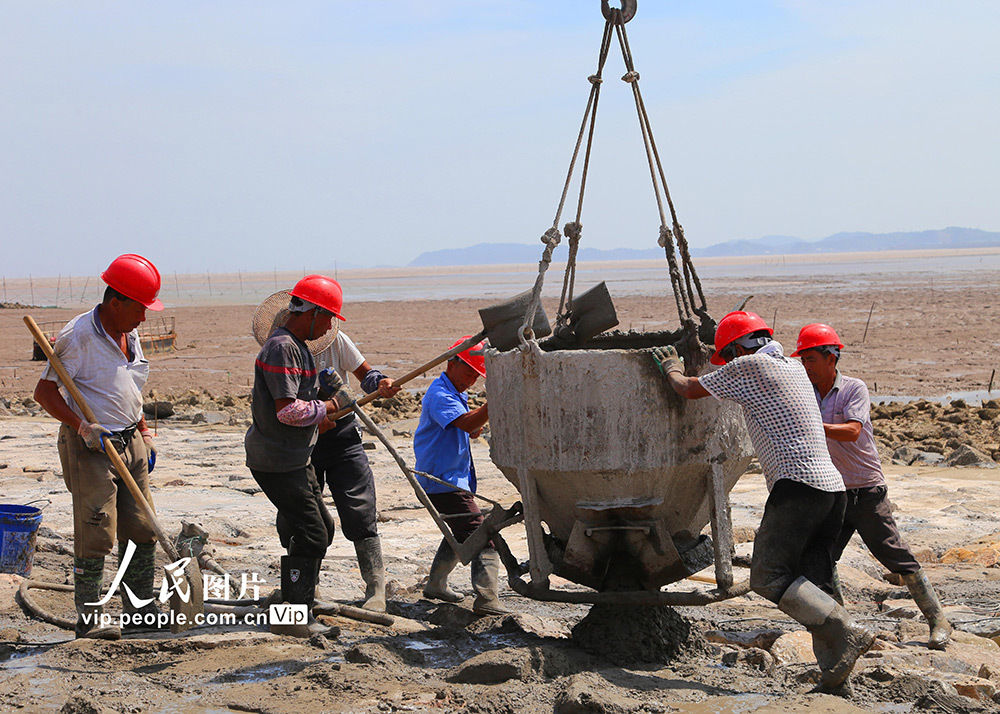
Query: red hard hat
[
  {"x": 734, "y": 326},
  {"x": 136, "y": 278},
  {"x": 321, "y": 290},
  {"x": 816, "y": 335},
  {"x": 475, "y": 356}
]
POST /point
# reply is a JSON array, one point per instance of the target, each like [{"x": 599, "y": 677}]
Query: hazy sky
[{"x": 255, "y": 135}]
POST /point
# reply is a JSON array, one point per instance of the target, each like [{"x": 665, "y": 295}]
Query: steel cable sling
[{"x": 687, "y": 289}]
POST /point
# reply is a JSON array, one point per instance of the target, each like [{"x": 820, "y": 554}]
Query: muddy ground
[{"x": 737, "y": 656}]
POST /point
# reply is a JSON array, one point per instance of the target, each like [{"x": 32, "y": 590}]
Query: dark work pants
[
  {"x": 463, "y": 509},
  {"x": 796, "y": 538},
  {"x": 868, "y": 513},
  {"x": 339, "y": 459},
  {"x": 305, "y": 526}
]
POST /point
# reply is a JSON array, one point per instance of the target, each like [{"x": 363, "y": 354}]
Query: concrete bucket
[{"x": 623, "y": 474}]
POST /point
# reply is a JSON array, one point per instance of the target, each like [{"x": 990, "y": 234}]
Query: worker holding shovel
[
  {"x": 792, "y": 556},
  {"x": 286, "y": 409},
  {"x": 100, "y": 352},
  {"x": 339, "y": 460},
  {"x": 442, "y": 448},
  {"x": 846, "y": 409}
]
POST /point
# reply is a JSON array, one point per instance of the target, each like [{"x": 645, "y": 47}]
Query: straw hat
[{"x": 273, "y": 313}]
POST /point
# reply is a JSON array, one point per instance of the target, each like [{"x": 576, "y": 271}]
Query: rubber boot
[
  {"x": 372, "y": 568},
  {"x": 321, "y": 606},
  {"x": 926, "y": 599},
  {"x": 838, "y": 593},
  {"x": 298, "y": 587},
  {"x": 88, "y": 576},
  {"x": 837, "y": 640},
  {"x": 139, "y": 579},
  {"x": 444, "y": 562},
  {"x": 485, "y": 577}
]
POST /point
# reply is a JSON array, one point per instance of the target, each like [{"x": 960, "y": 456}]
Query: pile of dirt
[
  {"x": 935, "y": 431},
  {"x": 633, "y": 635}
]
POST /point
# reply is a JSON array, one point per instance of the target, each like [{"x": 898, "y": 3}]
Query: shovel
[
  {"x": 501, "y": 326},
  {"x": 592, "y": 312},
  {"x": 183, "y": 611}
]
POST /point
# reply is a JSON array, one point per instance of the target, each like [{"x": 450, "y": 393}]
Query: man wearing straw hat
[
  {"x": 287, "y": 407},
  {"x": 101, "y": 352},
  {"x": 340, "y": 461}
]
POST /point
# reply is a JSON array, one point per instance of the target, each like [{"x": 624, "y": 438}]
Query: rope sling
[{"x": 688, "y": 293}]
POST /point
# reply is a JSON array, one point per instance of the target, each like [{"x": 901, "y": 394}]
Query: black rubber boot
[
  {"x": 837, "y": 640},
  {"x": 88, "y": 576},
  {"x": 372, "y": 568},
  {"x": 298, "y": 587},
  {"x": 923, "y": 594},
  {"x": 444, "y": 562},
  {"x": 485, "y": 581}
]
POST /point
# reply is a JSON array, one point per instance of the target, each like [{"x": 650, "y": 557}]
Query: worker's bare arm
[
  {"x": 473, "y": 421},
  {"x": 687, "y": 387},
  {"x": 848, "y": 431},
  {"x": 47, "y": 394}
]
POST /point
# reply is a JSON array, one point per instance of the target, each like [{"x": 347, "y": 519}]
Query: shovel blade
[
  {"x": 502, "y": 322},
  {"x": 186, "y": 610},
  {"x": 592, "y": 313}
]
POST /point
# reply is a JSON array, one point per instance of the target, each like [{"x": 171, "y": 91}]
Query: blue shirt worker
[
  {"x": 846, "y": 410},
  {"x": 793, "y": 551},
  {"x": 442, "y": 445}
]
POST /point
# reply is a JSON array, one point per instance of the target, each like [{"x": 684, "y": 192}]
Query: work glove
[
  {"x": 93, "y": 435},
  {"x": 667, "y": 360},
  {"x": 329, "y": 382},
  {"x": 147, "y": 439},
  {"x": 331, "y": 386}
]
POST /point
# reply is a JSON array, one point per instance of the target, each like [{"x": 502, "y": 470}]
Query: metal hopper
[{"x": 617, "y": 475}]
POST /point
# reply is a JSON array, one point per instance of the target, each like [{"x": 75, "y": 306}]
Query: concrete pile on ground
[{"x": 952, "y": 434}]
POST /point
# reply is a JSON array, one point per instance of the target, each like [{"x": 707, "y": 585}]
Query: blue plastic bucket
[{"x": 18, "y": 530}]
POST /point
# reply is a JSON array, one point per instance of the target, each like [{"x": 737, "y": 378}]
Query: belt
[{"x": 122, "y": 438}]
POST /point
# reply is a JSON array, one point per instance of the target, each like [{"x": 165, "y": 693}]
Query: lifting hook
[{"x": 627, "y": 10}]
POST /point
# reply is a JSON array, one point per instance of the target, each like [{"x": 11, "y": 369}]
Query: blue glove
[
  {"x": 329, "y": 382},
  {"x": 331, "y": 386}
]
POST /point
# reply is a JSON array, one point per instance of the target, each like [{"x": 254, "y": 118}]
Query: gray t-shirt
[
  {"x": 857, "y": 461},
  {"x": 284, "y": 370}
]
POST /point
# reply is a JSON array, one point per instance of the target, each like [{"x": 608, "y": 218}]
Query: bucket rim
[{"x": 13, "y": 509}]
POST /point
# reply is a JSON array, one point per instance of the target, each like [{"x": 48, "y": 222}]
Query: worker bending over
[
  {"x": 442, "y": 448},
  {"x": 286, "y": 409},
  {"x": 793, "y": 550},
  {"x": 101, "y": 353},
  {"x": 846, "y": 410}
]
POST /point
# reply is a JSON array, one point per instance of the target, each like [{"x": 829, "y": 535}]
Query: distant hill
[{"x": 497, "y": 253}]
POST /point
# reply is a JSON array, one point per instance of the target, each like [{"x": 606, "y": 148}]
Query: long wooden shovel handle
[
  {"x": 112, "y": 453},
  {"x": 409, "y": 376}
]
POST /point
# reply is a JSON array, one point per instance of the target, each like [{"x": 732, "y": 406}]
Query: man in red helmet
[
  {"x": 101, "y": 352},
  {"x": 846, "y": 410},
  {"x": 286, "y": 409},
  {"x": 442, "y": 448},
  {"x": 792, "y": 556}
]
